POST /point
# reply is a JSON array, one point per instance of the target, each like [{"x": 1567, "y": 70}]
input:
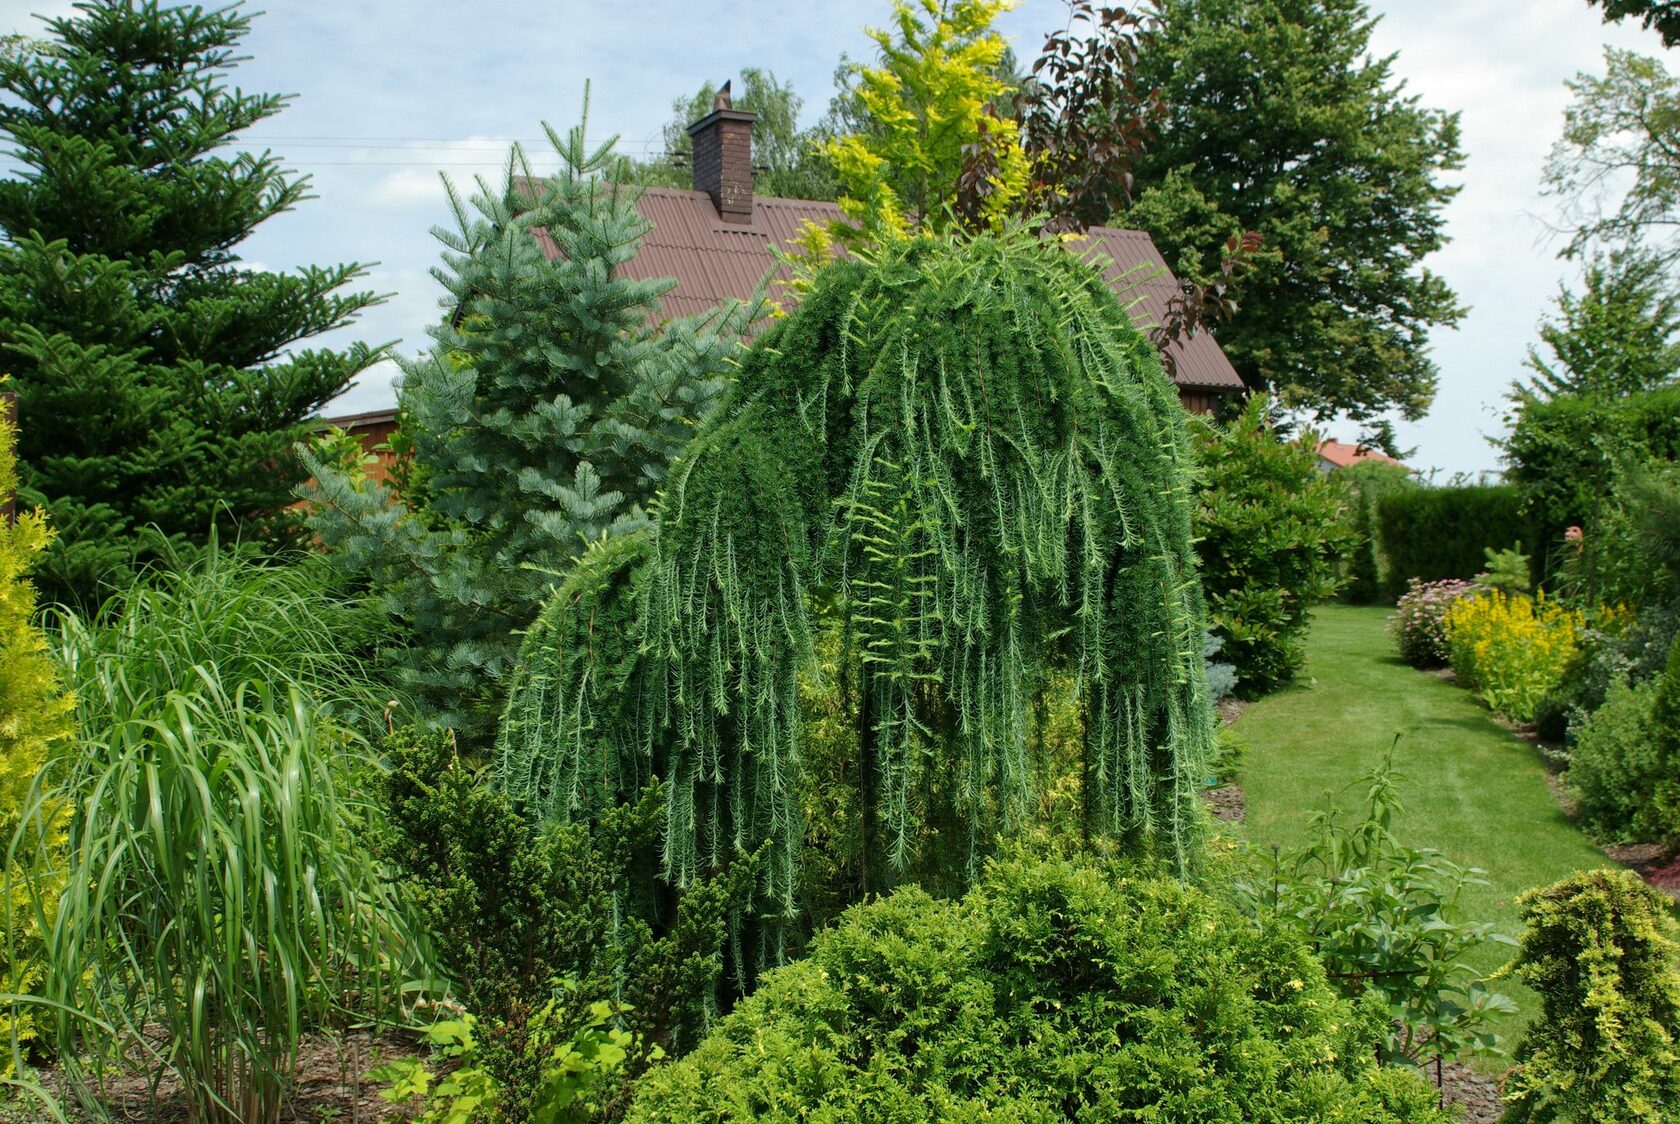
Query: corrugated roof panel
[{"x": 713, "y": 261}]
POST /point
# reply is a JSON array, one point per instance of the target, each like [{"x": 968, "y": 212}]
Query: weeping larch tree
[{"x": 959, "y": 461}]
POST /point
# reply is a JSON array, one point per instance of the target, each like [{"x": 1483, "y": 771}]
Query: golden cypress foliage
[{"x": 35, "y": 718}]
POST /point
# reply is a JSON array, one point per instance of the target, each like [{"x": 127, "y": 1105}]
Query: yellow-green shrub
[
  {"x": 1511, "y": 650},
  {"x": 34, "y": 717}
]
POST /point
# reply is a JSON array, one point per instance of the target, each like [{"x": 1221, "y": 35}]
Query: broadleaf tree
[
  {"x": 1616, "y": 170},
  {"x": 1661, "y": 16},
  {"x": 1617, "y": 336},
  {"x": 541, "y": 419},
  {"x": 1276, "y": 118},
  {"x": 160, "y": 381}
]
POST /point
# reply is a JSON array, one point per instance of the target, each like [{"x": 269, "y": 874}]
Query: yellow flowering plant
[{"x": 1512, "y": 649}]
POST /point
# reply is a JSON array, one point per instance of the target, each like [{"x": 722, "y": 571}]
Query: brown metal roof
[{"x": 714, "y": 261}]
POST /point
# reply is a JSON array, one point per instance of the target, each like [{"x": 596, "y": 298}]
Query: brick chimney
[{"x": 722, "y": 158}]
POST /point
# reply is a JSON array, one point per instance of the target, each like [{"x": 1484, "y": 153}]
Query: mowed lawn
[{"x": 1474, "y": 791}]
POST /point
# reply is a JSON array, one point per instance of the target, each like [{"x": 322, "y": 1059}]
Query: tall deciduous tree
[
  {"x": 159, "y": 383},
  {"x": 1616, "y": 170},
  {"x": 542, "y": 418},
  {"x": 1277, "y": 119},
  {"x": 1616, "y": 337}
]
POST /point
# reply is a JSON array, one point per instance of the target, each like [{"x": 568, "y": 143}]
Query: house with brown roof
[{"x": 717, "y": 241}]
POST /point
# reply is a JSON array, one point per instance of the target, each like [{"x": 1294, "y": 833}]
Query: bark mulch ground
[{"x": 332, "y": 1088}]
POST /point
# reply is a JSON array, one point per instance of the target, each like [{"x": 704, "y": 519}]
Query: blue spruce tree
[{"x": 542, "y": 418}]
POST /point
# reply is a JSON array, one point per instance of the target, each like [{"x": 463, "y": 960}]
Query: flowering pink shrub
[{"x": 1419, "y": 623}]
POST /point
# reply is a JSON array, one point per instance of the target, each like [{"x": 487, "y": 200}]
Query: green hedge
[
  {"x": 1563, "y": 455},
  {"x": 1438, "y": 533}
]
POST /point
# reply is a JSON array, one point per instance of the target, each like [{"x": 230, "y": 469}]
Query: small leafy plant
[
  {"x": 579, "y": 1057},
  {"x": 1381, "y": 916}
]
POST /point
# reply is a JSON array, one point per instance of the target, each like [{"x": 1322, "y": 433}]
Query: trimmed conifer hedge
[{"x": 1438, "y": 533}]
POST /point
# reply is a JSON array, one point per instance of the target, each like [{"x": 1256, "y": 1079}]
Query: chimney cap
[{"x": 718, "y": 115}]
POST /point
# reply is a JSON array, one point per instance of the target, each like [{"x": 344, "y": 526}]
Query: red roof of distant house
[
  {"x": 713, "y": 260},
  {"x": 1341, "y": 454}
]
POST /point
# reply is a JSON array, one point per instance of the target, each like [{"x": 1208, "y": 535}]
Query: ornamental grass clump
[
  {"x": 963, "y": 458},
  {"x": 219, "y": 896},
  {"x": 1511, "y": 650},
  {"x": 1419, "y": 623}
]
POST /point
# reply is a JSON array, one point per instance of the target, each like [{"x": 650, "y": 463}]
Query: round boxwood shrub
[{"x": 1054, "y": 990}]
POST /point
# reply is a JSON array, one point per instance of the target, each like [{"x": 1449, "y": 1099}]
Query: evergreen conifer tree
[
  {"x": 542, "y": 418},
  {"x": 155, "y": 383}
]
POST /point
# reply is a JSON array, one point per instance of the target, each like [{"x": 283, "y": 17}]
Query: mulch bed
[
  {"x": 331, "y": 1086},
  {"x": 1477, "y": 1093},
  {"x": 1225, "y": 802}
]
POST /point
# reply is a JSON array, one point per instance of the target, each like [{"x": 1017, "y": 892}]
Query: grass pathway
[{"x": 1474, "y": 791}]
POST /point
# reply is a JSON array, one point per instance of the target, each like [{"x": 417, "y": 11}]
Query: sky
[{"x": 388, "y": 93}]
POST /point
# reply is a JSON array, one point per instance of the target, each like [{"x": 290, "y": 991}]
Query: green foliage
[
  {"x": 1630, "y": 553},
  {"x": 577, "y": 1063},
  {"x": 1383, "y": 918},
  {"x": 1565, "y": 455},
  {"x": 1617, "y": 337},
  {"x": 1625, "y": 765},
  {"x": 1279, "y": 118},
  {"x": 1370, "y": 481},
  {"x": 1054, "y": 990},
  {"x": 931, "y": 124},
  {"x": 513, "y": 903},
  {"x": 1618, "y": 137},
  {"x": 965, "y": 458},
  {"x": 1273, "y": 534},
  {"x": 787, "y": 160},
  {"x": 219, "y": 899},
  {"x": 161, "y": 380},
  {"x": 35, "y": 722},
  {"x": 1507, "y": 570},
  {"x": 1603, "y": 951},
  {"x": 543, "y": 417},
  {"x": 1663, "y": 16},
  {"x": 1437, "y": 533}
]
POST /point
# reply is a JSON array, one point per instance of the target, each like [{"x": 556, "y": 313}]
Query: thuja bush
[
  {"x": 1511, "y": 651},
  {"x": 1054, "y": 990},
  {"x": 1625, "y": 765},
  {"x": 1419, "y": 623},
  {"x": 1603, "y": 951},
  {"x": 1436, "y": 533},
  {"x": 1368, "y": 482},
  {"x": 1273, "y": 534},
  {"x": 533, "y": 929},
  {"x": 219, "y": 900},
  {"x": 962, "y": 458}
]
